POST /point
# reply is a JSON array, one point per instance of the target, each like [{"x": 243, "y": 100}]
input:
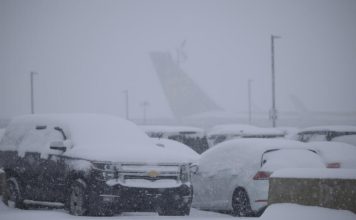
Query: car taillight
[
  {"x": 333, "y": 165},
  {"x": 262, "y": 175}
]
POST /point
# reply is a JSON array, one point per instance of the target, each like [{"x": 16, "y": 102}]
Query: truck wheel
[
  {"x": 78, "y": 198},
  {"x": 12, "y": 195}
]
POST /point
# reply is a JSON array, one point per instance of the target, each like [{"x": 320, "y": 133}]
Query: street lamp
[
  {"x": 32, "y": 93},
  {"x": 273, "y": 111},
  {"x": 126, "y": 93},
  {"x": 144, "y": 104},
  {"x": 249, "y": 101}
]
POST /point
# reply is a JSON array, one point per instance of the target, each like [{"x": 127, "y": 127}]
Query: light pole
[
  {"x": 32, "y": 93},
  {"x": 249, "y": 101},
  {"x": 273, "y": 111},
  {"x": 145, "y": 104},
  {"x": 126, "y": 93}
]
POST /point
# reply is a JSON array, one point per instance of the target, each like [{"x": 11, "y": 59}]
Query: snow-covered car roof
[
  {"x": 336, "y": 152},
  {"x": 338, "y": 128},
  {"x": 244, "y": 130},
  {"x": 291, "y": 158},
  {"x": 94, "y": 137},
  {"x": 179, "y": 149},
  {"x": 173, "y": 130},
  {"x": 238, "y": 154}
]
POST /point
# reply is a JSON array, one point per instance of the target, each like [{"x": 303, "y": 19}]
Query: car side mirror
[
  {"x": 194, "y": 168},
  {"x": 61, "y": 145}
]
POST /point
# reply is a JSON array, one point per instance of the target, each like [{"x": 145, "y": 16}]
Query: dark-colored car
[
  {"x": 91, "y": 165},
  {"x": 193, "y": 137},
  {"x": 338, "y": 133}
]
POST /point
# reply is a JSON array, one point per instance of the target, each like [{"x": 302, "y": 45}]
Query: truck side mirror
[
  {"x": 194, "y": 168},
  {"x": 61, "y": 145}
]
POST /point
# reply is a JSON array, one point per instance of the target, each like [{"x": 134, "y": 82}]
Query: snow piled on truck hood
[
  {"x": 100, "y": 138},
  {"x": 180, "y": 150}
]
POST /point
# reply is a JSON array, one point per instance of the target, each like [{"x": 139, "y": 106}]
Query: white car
[
  {"x": 336, "y": 154},
  {"x": 233, "y": 176}
]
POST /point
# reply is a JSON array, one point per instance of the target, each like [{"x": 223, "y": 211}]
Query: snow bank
[
  {"x": 298, "y": 212},
  {"x": 302, "y": 173},
  {"x": 273, "y": 212}
]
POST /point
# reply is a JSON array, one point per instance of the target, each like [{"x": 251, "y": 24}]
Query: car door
[
  {"x": 220, "y": 183},
  {"x": 31, "y": 164},
  {"x": 201, "y": 185},
  {"x": 53, "y": 172}
]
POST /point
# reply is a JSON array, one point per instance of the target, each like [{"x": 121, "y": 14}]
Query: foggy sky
[{"x": 87, "y": 52}]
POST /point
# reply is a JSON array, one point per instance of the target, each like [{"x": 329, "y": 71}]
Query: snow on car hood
[{"x": 98, "y": 138}]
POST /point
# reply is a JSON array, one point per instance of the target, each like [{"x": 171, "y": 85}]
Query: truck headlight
[
  {"x": 184, "y": 173},
  {"x": 106, "y": 171}
]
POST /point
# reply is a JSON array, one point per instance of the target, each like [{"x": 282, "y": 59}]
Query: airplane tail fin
[{"x": 184, "y": 96}]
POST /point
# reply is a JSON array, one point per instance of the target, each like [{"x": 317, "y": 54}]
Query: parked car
[
  {"x": 233, "y": 176},
  {"x": 336, "y": 154},
  {"x": 227, "y": 132},
  {"x": 91, "y": 165},
  {"x": 190, "y": 136},
  {"x": 337, "y": 133}
]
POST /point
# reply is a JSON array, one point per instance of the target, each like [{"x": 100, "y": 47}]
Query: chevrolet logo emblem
[{"x": 153, "y": 173}]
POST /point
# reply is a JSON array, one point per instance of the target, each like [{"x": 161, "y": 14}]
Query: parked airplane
[{"x": 192, "y": 106}]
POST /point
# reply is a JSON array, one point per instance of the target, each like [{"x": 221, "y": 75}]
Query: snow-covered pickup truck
[{"x": 91, "y": 165}]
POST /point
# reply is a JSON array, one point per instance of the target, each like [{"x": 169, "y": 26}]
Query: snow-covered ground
[{"x": 274, "y": 212}]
